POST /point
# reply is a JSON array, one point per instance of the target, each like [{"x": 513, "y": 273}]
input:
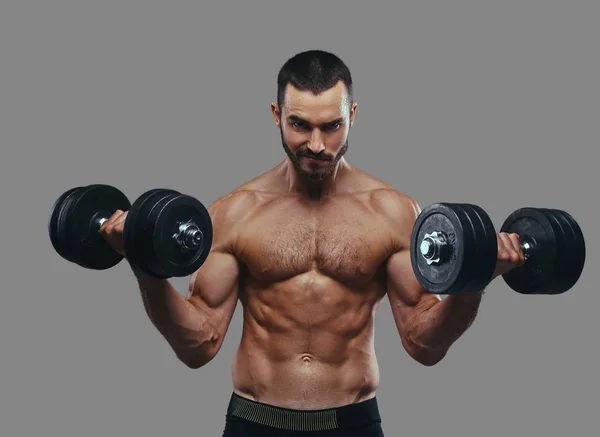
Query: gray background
[{"x": 498, "y": 101}]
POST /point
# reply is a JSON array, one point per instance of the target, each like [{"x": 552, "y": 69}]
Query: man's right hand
[{"x": 112, "y": 231}]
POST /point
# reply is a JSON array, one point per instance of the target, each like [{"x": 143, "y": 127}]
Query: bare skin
[
  {"x": 310, "y": 249},
  {"x": 314, "y": 274}
]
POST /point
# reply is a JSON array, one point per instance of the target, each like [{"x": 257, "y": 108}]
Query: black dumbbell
[
  {"x": 454, "y": 248},
  {"x": 166, "y": 233}
]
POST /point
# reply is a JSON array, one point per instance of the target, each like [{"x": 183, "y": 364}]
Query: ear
[
  {"x": 353, "y": 113},
  {"x": 276, "y": 113}
]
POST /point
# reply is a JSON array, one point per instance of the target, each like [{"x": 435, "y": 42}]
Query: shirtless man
[{"x": 310, "y": 248}]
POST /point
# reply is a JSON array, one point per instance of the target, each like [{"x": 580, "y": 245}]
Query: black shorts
[{"x": 247, "y": 418}]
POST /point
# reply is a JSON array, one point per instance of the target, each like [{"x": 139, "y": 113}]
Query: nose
[{"x": 317, "y": 144}]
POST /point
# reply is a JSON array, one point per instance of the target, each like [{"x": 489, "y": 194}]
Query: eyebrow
[{"x": 301, "y": 120}]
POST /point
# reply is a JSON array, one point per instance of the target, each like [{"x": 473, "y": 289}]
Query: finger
[
  {"x": 507, "y": 250},
  {"x": 501, "y": 248},
  {"x": 109, "y": 222},
  {"x": 516, "y": 243},
  {"x": 120, "y": 219},
  {"x": 513, "y": 256}
]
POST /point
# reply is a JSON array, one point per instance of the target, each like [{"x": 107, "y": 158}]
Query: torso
[{"x": 313, "y": 276}]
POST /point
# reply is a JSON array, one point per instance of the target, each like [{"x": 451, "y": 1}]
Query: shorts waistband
[{"x": 346, "y": 416}]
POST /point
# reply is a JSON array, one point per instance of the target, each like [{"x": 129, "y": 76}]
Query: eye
[
  {"x": 334, "y": 126},
  {"x": 298, "y": 125}
]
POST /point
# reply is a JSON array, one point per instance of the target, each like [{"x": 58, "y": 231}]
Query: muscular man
[{"x": 310, "y": 248}]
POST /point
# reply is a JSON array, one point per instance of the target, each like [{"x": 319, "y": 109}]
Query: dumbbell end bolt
[
  {"x": 189, "y": 236},
  {"x": 100, "y": 221},
  {"x": 434, "y": 247}
]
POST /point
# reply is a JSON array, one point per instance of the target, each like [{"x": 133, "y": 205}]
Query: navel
[{"x": 306, "y": 358}]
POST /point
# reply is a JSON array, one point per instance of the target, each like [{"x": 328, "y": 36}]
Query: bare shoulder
[
  {"x": 233, "y": 205},
  {"x": 385, "y": 199},
  {"x": 227, "y": 213},
  {"x": 398, "y": 209},
  {"x": 240, "y": 203},
  {"x": 394, "y": 204}
]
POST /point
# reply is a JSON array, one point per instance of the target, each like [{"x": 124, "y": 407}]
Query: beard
[{"x": 314, "y": 172}]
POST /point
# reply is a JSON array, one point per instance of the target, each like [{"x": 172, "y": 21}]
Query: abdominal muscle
[{"x": 307, "y": 344}]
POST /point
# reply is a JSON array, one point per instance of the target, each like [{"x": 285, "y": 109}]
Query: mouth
[{"x": 312, "y": 159}]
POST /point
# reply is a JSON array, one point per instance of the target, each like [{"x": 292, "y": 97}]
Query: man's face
[{"x": 314, "y": 129}]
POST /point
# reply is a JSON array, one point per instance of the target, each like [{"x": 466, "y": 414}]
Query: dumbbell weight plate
[
  {"x": 152, "y": 263},
  {"x": 469, "y": 251},
  {"x": 78, "y": 225},
  {"x": 81, "y": 226},
  {"x": 486, "y": 242},
  {"x": 137, "y": 235},
  {"x": 167, "y": 217},
  {"x": 572, "y": 259},
  {"x": 562, "y": 232},
  {"x": 577, "y": 253},
  {"x": 537, "y": 275},
  {"x": 58, "y": 206},
  {"x": 438, "y": 279}
]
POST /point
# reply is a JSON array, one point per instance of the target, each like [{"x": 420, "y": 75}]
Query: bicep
[
  {"x": 408, "y": 299},
  {"x": 214, "y": 287}
]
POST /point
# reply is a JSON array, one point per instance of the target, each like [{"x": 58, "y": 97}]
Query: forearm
[
  {"x": 185, "y": 328},
  {"x": 436, "y": 327}
]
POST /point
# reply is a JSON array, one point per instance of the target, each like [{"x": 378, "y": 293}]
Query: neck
[{"x": 313, "y": 189}]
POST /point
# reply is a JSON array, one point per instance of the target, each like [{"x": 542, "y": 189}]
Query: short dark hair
[{"x": 315, "y": 71}]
